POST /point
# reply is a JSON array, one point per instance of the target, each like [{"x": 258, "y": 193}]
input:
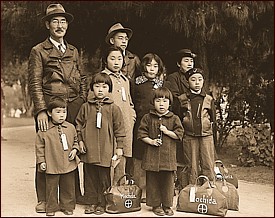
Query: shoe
[
  {"x": 99, "y": 210},
  {"x": 40, "y": 207},
  {"x": 50, "y": 213},
  {"x": 67, "y": 212},
  {"x": 158, "y": 211},
  {"x": 168, "y": 211},
  {"x": 81, "y": 200},
  {"x": 90, "y": 209},
  {"x": 143, "y": 200}
]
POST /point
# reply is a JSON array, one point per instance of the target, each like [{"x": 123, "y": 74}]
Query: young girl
[
  {"x": 56, "y": 155},
  {"x": 153, "y": 72},
  {"x": 160, "y": 130},
  {"x": 114, "y": 61},
  {"x": 99, "y": 123}
]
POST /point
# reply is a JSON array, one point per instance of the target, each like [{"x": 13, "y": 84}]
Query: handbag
[
  {"x": 204, "y": 199},
  {"x": 219, "y": 168},
  {"x": 123, "y": 198},
  {"x": 229, "y": 191}
]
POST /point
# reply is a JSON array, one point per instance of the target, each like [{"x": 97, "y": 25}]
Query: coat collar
[
  {"x": 48, "y": 45},
  {"x": 64, "y": 124},
  {"x": 169, "y": 114},
  {"x": 106, "y": 100},
  {"x": 107, "y": 71},
  {"x": 192, "y": 95}
]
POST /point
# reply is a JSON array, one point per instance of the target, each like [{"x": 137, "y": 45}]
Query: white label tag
[
  {"x": 98, "y": 119},
  {"x": 217, "y": 170},
  {"x": 192, "y": 194},
  {"x": 123, "y": 94},
  {"x": 64, "y": 142}
]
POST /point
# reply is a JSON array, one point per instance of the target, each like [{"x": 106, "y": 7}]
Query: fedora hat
[
  {"x": 186, "y": 53},
  {"x": 54, "y": 10},
  {"x": 117, "y": 28}
]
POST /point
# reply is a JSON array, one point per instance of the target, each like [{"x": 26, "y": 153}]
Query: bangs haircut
[
  {"x": 56, "y": 102},
  {"x": 101, "y": 78},
  {"x": 163, "y": 92},
  {"x": 148, "y": 59},
  {"x": 108, "y": 51}
]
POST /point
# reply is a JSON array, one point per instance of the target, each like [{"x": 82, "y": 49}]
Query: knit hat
[{"x": 193, "y": 71}]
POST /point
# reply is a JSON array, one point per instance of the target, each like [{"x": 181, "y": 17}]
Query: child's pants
[
  {"x": 159, "y": 188},
  {"x": 139, "y": 175},
  {"x": 66, "y": 184},
  {"x": 98, "y": 181},
  {"x": 199, "y": 153}
]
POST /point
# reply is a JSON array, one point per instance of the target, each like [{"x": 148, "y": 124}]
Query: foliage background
[{"x": 234, "y": 41}]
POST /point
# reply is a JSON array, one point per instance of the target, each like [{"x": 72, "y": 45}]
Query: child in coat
[
  {"x": 56, "y": 151},
  {"x": 101, "y": 134},
  {"x": 160, "y": 130},
  {"x": 153, "y": 73},
  {"x": 114, "y": 60},
  {"x": 199, "y": 118}
]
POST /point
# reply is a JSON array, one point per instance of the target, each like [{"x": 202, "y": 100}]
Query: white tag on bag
[
  {"x": 192, "y": 194},
  {"x": 123, "y": 94},
  {"x": 98, "y": 119},
  {"x": 64, "y": 142}
]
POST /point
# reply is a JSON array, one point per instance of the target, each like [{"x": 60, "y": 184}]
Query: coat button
[{"x": 59, "y": 60}]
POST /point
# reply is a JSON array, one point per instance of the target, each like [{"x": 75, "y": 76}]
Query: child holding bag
[{"x": 101, "y": 134}]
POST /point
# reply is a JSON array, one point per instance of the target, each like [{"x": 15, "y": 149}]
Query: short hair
[
  {"x": 148, "y": 59},
  {"x": 163, "y": 92},
  {"x": 101, "y": 78},
  {"x": 108, "y": 51},
  {"x": 56, "y": 102}
]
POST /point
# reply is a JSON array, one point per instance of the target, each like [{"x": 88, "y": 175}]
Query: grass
[{"x": 228, "y": 155}]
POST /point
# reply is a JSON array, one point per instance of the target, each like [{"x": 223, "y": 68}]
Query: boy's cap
[
  {"x": 54, "y": 10},
  {"x": 193, "y": 71},
  {"x": 117, "y": 28},
  {"x": 186, "y": 53}
]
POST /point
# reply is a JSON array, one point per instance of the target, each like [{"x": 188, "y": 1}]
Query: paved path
[{"x": 18, "y": 197}]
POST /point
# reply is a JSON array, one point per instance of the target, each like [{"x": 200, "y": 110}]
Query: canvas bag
[
  {"x": 204, "y": 199},
  {"x": 219, "y": 168},
  {"x": 123, "y": 198},
  {"x": 229, "y": 191}
]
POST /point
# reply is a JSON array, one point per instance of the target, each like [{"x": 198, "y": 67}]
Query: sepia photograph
[{"x": 137, "y": 108}]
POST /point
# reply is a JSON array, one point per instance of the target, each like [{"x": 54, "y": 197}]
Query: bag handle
[
  {"x": 126, "y": 175},
  {"x": 205, "y": 178},
  {"x": 225, "y": 169}
]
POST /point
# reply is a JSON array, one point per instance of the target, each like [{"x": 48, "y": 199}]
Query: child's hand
[
  {"x": 156, "y": 142},
  {"x": 43, "y": 166},
  {"x": 163, "y": 129},
  {"x": 72, "y": 154},
  {"x": 119, "y": 152},
  {"x": 82, "y": 147}
]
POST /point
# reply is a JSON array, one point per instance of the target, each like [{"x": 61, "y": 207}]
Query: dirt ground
[{"x": 18, "y": 198}]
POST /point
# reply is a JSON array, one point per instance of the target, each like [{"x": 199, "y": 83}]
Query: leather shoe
[
  {"x": 99, "y": 210},
  {"x": 67, "y": 212},
  {"x": 158, "y": 211},
  {"x": 90, "y": 209},
  {"x": 168, "y": 211},
  {"x": 50, "y": 213},
  {"x": 40, "y": 207}
]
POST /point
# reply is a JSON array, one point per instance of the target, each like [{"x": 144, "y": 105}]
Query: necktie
[{"x": 60, "y": 48}]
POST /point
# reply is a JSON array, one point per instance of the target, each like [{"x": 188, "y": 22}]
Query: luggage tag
[
  {"x": 64, "y": 142},
  {"x": 218, "y": 172},
  {"x": 98, "y": 119},
  {"x": 192, "y": 194},
  {"x": 123, "y": 94}
]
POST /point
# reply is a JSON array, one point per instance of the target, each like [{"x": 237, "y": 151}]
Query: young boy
[
  {"x": 160, "y": 130},
  {"x": 199, "y": 118},
  {"x": 56, "y": 151}
]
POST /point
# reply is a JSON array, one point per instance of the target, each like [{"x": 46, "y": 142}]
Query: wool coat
[
  {"x": 142, "y": 94},
  {"x": 126, "y": 105},
  {"x": 53, "y": 73},
  {"x": 131, "y": 66},
  {"x": 49, "y": 149},
  {"x": 100, "y": 142},
  {"x": 162, "y": 158}
]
